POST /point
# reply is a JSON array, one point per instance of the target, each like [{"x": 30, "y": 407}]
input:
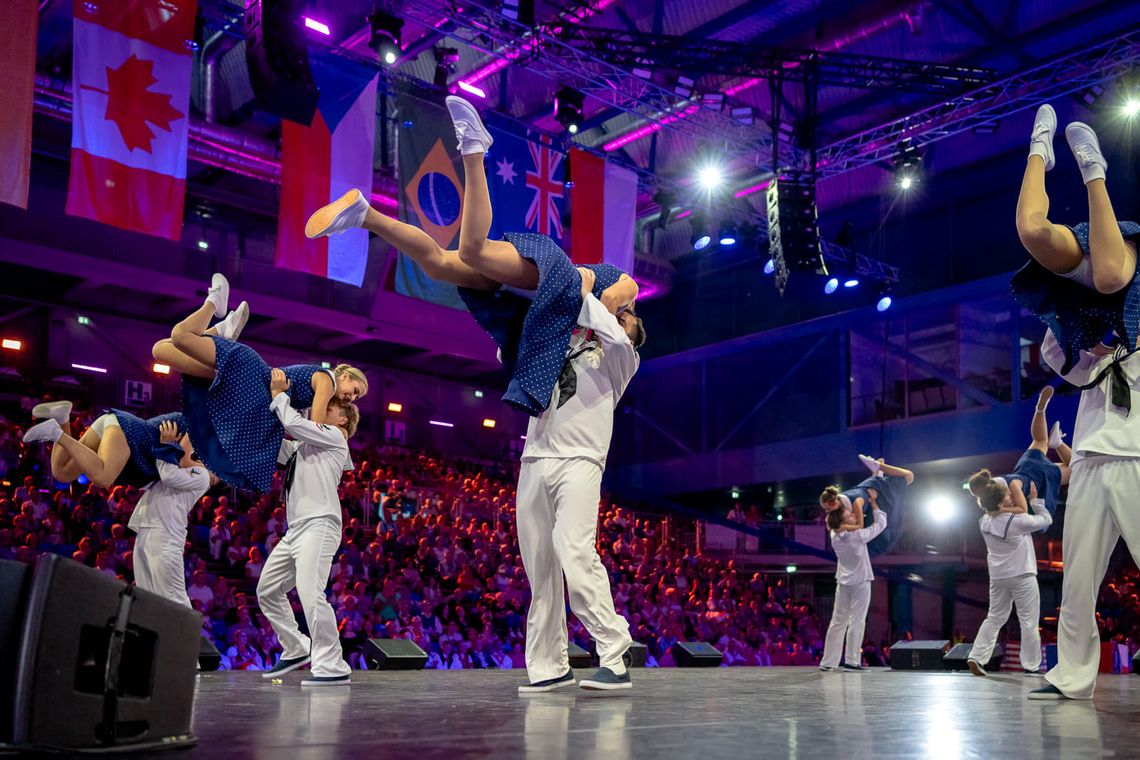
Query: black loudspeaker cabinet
[
  {"x": 209, "y": 658},
  {"x": 15, "y": 580},
  {"x": 395, "y": 654},
  {"x": 956, "y": 658},
  {"x": 696, "y": 654},
  {"x": 919, "y": 655},
  {"x": 102, "y": 665},
  {"x": 638, "y": 654},
  {"x": 579, "y": 657},
  {"x": 277, "y": 55}
]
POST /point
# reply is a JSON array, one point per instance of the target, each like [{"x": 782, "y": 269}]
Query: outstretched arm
[
  {"x": 620, "y": 295},
  {"x": 299, "y": 428}
]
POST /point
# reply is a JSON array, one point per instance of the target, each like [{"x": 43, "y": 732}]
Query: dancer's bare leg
[
  {"x": 1039, "y": 428},
  {"x": 439, "y": 264},
  {"x": 1112, "y": 257},
  {"x": 64, "y": 468},
  {"x": 188, "y": 349},
  {"x": 1053, "y": 246},
  {"x": 898, "y": 472},
  {"x": 166, "y": 352},
  {"x": 496, "y": 259},
  {"x": 104, "y": 465}
]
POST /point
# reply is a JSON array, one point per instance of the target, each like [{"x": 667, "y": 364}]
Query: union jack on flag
[
  {"x": 526, "y": 178},
  {"x": 544, "y": 216}
]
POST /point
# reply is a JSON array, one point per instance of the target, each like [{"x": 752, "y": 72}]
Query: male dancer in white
[
  {"x": 1013, "y": 577},
  {"x": 559, "y": 489},
  {"x": 1101, "y": 506},
  {"x": 161, "y": 516},
  {"x": 853, "y": 578},
  {"x": 315, "y": 460}
]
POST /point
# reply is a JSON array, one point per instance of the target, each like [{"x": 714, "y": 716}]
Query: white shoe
[
  {"x": 1086, "y": 149},
  {"x": 230, "y": 328},
  {"x": 1041, "y": 140},
  {"x": 870, "y": 463},
  {"x": 47, "y": 431},
  {"x": 219, "y": 294},
  {"x": 60, "y": 411},
  {"x": 344, "y": 213},
  {"x": 1056, "y": 437},
  {"x": 473, "y": 136}
]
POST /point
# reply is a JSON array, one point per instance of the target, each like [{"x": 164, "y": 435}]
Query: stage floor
[{"x": 714, "y": 713}]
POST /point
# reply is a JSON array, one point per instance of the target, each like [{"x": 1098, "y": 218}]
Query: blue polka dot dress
[
  {"x": 1079, "y": 316},
  {"x": 142, "y": 438},
  {"x": 533, "y": 336},
  {"x": 1034, "y": 467},
  {"x": 892, "y": 500},
  {"x": 234, "y": 432}
]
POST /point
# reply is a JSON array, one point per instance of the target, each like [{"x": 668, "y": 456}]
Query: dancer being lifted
[
  {"x": 1082, "y": 280},
  {"x": 886, "y": 486},
  {"x": 532, "y": 337},
  {"x": 223, "y": 387}
]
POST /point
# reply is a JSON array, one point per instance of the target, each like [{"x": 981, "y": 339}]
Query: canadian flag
[{"x": 131, "y": 85}]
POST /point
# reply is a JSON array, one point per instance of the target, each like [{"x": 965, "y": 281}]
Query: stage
[{"x": 713, "y": 713}]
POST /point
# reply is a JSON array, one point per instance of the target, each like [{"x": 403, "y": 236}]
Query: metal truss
[
  {"x": 541, "y": 51},
  {"x": 688, "y": 56},
  {"x": 1061, "y": 76}
]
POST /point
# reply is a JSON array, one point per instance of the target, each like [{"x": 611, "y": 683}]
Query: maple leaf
[{"x": 133, "y": 106}]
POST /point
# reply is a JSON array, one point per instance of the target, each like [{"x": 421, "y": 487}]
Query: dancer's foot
[
  {"x": 1047, "y": 692},
  {"x": 976, "y": 668},
  {"x": 1044, "y": 396},
  {"x": 230, "y": 328},
  {"x": 327, "y": 681},
  {"x": 219, "y": 295},
  {"x": 344, "y": 213},
  {"x": 550, "y": 684},
  {"x": 47, "y": 431},
  {"x": 1056, "y": 437},
  {"x": 1041, "y": 139},
  {"x": 1086, "y": 149},
  {"x": 284, "y": 666},
  {"x": 60, "y": 411},
  {"x": 870, "y": 463},
  {"x": 473, "y": 136},
  {"x": 605, "y": 679}
]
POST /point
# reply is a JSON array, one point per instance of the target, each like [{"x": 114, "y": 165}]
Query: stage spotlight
[
  {"x": 568, "y": 104},
  {"x": 385, "y": 38},
  {"x": 728, "y": 234},
  {"x": 883, "y": 297},
  {"x": 1131, "y": 107},
  {"x": 940, "y": 508},
  {"x": 906, "y": 182},
  {"x": 710, "y": 177},
  {"x": 445, "y": 60},
  {"x": 851, "y": 282},
  {"x": 906, "y": 166},
  {"x": 770, "y": 267},
  {"x": 700, "y": 238},
  {"x": 831, "y": 286}
]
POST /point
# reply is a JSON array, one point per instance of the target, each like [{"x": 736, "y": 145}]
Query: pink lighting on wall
[
  {"x": 317, "y": 26},
  {"x": 438, "y": 423},
  {"x": 89, "y": 368},
  {"x": 746, "y": 191},
  {"x": 470, "y": 88},
  {"x": 684, "y": 214},
  {"x": 649, "y": 128}
]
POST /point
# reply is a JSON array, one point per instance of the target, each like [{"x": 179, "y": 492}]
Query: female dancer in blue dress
[
  {"x": 1033, "y": 475},
  {"x": 886, "y": 489},
  {"x": 118, "y": 447},
  {"x": 1082, "y": 281},
  {"x": 532, "y": 336},
  {"x": 224, "y": 384}
]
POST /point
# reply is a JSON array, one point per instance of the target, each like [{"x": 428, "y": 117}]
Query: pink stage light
[
  {"x": 438, "y": 423},
  {"x": 100, "y": 370},
  {"x": 467, "y": 87},
  {"x": 746, "y": 191},
  {"x": 686, "y": 213},
  {"x": 649, "y": 129},
  {"x": 317, "y": 26}
]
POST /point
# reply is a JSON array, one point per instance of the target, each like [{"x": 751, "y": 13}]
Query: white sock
[
  {"x": 1038, "y": 148},
  {"x": 618, "y": 669}
]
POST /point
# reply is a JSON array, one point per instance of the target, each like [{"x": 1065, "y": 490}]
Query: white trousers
[
  {"x": 558, "y": 527},
  {"x": 1021, "y": 592},
  {"x": 848, "y": 619},
  {"x": 157, "y": 560},
  {"x": 1101, "y": 508},
  {"x": 303, "y": 560}
]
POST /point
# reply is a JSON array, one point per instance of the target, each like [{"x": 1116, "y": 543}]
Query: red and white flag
[
  {"x": 603, "y": 209},
  {"x": 18, "y": 41},
  {"x": 130, "y": 121}
]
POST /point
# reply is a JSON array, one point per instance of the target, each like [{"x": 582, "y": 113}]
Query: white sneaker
[
  {"x": 870, "y": 463},
  {"x": 1041, "y": 139},
  {"x": 230, "y": 328},
  {"x": 1056, "y": 437},
  {"x": 60, "y": 411},
  {"x": 219, "y": 294},
  {"x": 1086, "y": 149},
  {"x": 344, "y": 213},
  {"x": 473, "y": 136},
  {"x": 47, "y": 431}
]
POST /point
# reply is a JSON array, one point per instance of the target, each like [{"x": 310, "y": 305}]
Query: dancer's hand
[
  {"x": 588, "y": 279},
  {"x": 278, "y": 383},
  {"x": 168, "y": 432}
]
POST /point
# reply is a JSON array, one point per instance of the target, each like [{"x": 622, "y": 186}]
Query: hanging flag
[
  {"x": 603, "y": 211},
  {"x": 18, "y": 41},
  {"x": 526, "y": 175},
  {"x": 131, "y": 91},
  {"x": 321, "y": 162}
]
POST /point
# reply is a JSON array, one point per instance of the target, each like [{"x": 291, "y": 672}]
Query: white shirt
[
  {"x": 166, "y": 503},
  {"x": 583, "y": 426},
  {"x": 1101, "y": 428},
  {"x": 322, "y": 458},
  {"x": 1008, "y": 542},
  {"x": 850, "y": 547}
]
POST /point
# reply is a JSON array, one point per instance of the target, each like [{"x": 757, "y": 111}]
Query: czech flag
[
  {"x": 131, "y": 90},
  {"x": 603, "y": 209}
]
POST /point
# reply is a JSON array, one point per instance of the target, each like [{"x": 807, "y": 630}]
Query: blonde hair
[
  {"x": 830, "y": 494},
  {"x": 355, "y": 374}
]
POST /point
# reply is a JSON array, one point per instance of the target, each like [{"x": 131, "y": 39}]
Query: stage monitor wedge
[
  {"x": 696, "y": 654},
  {"x": 919, "y": 655},
  {"x": 395, "y": 654},
  {"x": 959, "y": 654}
]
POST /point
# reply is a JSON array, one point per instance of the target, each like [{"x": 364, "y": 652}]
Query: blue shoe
[
  {"x": 285, "y": 666},
  {"x": 550, "y": 684},
  {"x": 605, "y": 679},
  {"x": 327, "y": 681},
  {"x": 858, "y": 668},
  {"x": 1047, "y": 692},
  {"x": 827, "y": 669}
]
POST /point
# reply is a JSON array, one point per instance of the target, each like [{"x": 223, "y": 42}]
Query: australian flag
[{"x": 527, "y": 177}]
